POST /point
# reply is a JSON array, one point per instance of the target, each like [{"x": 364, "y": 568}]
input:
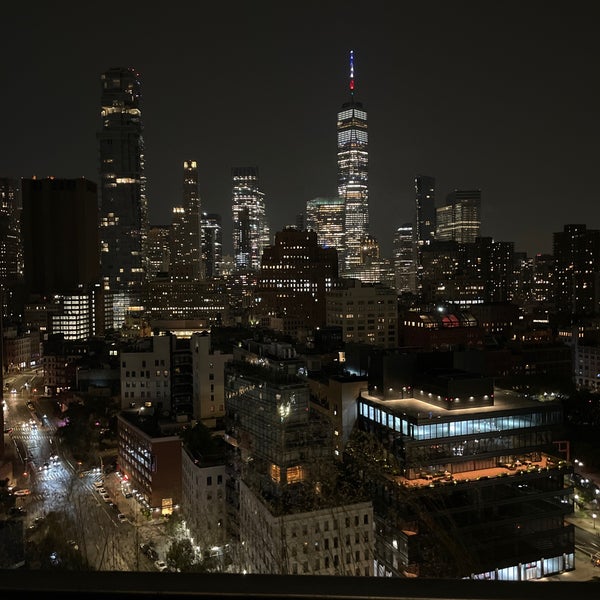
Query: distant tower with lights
[
  {"x": 405, "y": 260},
  {"x": 353, "y": 171},
  {"x": 186, "y": 239},
  {"x": 424, "y": 210},
  {"x": 325, "y": 216},
  {"x": 459, "y": 219},
  {"x": 212, "y": 244},
  {"x": 11, "y": 245},
  {"x": 123, "y": 203},
  {"x": 250, "y": 228}
]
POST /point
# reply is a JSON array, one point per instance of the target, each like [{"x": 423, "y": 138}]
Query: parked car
[
  {"x": 149, "y": 551},
  {"x": 161, "y": 565}
]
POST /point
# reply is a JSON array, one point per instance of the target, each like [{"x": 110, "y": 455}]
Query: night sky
[{"x": 499, "y": 96}]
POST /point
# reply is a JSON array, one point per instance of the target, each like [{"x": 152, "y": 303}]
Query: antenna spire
[{"x": 352, "y": 72}]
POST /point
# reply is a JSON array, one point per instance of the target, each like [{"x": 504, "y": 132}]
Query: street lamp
[{"x": 594, "y": 515}]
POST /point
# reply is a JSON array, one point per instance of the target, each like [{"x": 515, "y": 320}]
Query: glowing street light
[{"x": 594, "y": 515}]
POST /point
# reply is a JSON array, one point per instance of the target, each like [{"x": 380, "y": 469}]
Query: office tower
[
  {"x": 123, "y": 203},
  {"x": 459, "y": 219},
  {"x": 186, "y": 241},
  {"x": 159, "y": 250},
  {"x": 424, "y": 209},
  {"x": 61, "y": 252},
  {"x": 250, "y": 227},
  {"x": 60, "y": 234},
  {"x": 325, "y": 216},
  {"x": 212, "y": 244},
  {"x": 577, "y": 270},
  {"x": 372, "y": 268},
  {"x": 353, "y": 171},
  {"x": 295, "y": 275},
  {"x": 203, "y": 302},
  {"x": 11, "y": 247},
  {"x": 405, "y": 260}
]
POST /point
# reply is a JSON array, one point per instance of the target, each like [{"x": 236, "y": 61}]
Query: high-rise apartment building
[
  {"x": 295, "y": 275},
  {"x": 577, "y": 270},
  {"x": 325, "y": 216},
  {"x": 186, "y": 231},
  {"x": 159, "y": 250},
  {"x": 494, "y": 264},
  {"x": 366, "y": 313},
  {"x": 353, "y": 171},
  {"x": 212, "y": 244},
  {"x": 542, "y": 285},
  {"x": 250, "y": 227},
  {"x": 123, "y": 203},
  {"x": 424, "y": 210},
  {"x": 459, "y": 219}
]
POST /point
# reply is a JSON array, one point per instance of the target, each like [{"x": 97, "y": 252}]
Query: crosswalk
[
  {"x": 54, "y": 473},
  {"x": 37, "y": 497}
]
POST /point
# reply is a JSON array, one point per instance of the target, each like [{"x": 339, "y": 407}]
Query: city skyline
[{"x": 496, "y": 101}]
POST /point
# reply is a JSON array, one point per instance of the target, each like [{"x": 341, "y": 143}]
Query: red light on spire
[{"x": 351, "y": 70}]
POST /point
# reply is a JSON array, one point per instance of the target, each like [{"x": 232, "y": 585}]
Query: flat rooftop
[{"x": 503, "y": 400}]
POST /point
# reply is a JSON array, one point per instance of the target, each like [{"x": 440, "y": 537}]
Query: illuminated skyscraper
[
  {"x": 325, "y": 216},
  {"x": 459, "y": 220},
  {"x": 405, "y": 260},
  {"x": 186, "y": 239},
  {"x": 212, "y": 244},
  {"x": 250, "y": 228},
  {"x": 123, "y": 204},
  {"x": 353, "y": 170},
  {"x": 11, "y": 247}
]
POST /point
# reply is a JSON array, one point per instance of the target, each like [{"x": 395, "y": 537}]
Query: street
[{"x": 45, "y": 480}]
